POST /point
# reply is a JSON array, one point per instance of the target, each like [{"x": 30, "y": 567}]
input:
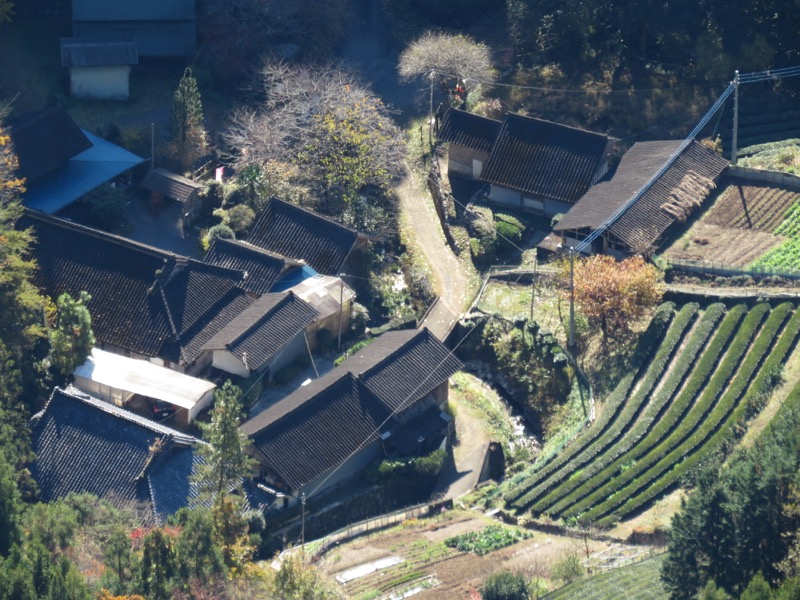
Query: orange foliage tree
[{"x": 613, "y": 294}]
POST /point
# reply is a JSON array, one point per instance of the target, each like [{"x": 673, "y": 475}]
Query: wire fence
[{"x": 722, "y": 269}]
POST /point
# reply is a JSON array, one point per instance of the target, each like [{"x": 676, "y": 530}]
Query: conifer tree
[{"x": 186, "y": 121}]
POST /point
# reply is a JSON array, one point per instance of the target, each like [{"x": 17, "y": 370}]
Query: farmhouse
[
  {"x": 158, "y": 27},
  {"x": 98, "y": 69},
  {"x": 541, "y": 166},
  {"x": 146, "y": 303},
  {"x": 387, "y": 399},
  {"x": 83, "y": 444},
  {"x": 470, "y": 139},
  {"x": 61, "y": 162},
  {"x": 663, "y": 183},
  {"x": 326, "y": 246}
]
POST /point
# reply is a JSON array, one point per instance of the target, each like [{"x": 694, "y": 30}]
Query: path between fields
[{"x": 734, "y": 291}]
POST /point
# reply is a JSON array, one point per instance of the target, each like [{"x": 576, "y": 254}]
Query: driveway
[{"x": 162, "y": 229}]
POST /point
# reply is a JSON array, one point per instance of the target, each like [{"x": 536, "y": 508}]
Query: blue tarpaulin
[{"x": 83, "y": 173}]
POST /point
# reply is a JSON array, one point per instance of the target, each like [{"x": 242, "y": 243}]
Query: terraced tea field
[
  {"x": 640, "y": 581},
  {"x": 689, "y": 394}
]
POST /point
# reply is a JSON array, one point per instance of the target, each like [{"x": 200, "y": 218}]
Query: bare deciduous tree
[
  {"x": 337, "y": 139},
  {"x": 450, "y": 59}
]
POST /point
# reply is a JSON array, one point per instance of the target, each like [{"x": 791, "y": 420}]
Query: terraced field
[
  {"x": 640, "y": 581},
  {"x": 686, "y": 398}
]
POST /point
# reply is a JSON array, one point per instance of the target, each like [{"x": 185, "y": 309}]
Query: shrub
[
  {"x": 220, "y": 231},
  {"x": 106, "y": 207},
  {"x": 568, "y": 568},
  {"x": 240, "y": 217},
  {"x": 509, "y": 235},
  {"x": 505, "y": 585}
]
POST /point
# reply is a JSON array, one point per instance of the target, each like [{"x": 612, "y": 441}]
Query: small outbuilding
[
  {"x": 117, "y": 379},
  {"x": 99, "y": 69},
  {"x": 163, "y": 184}
]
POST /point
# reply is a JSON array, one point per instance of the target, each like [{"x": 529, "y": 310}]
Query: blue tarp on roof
[
  {"x": 293, "y": 278},
  {"x": 83, "y": 173}
]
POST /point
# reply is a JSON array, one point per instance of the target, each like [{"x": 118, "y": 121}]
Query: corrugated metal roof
[{"x": 85, "y": 53}]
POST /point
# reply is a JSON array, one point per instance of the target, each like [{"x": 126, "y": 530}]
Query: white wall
[
  {"x": 226, "y": 361},
  {"x": 106, "y": 83}
]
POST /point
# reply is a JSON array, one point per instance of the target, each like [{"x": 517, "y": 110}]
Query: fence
[
  {"x": 369, "y": 525},
  {"x": 727, "y": 270}
]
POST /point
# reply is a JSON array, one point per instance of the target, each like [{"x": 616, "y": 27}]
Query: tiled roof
[
  {"x": 468, "y": 129},
  {"x": 321, "y": 433},
  {"x": 83, "y": 444},
  {"x": 263, "y": 268},
  {"x": 544, "y": 159},
  {"x": 45, "y": 140},
  {"x": 301, "y": 234},
  {"x": 265, "y": 327},
  {"x": 644, "y": 222},
  {"x": 142, "y": 10},
  {"x": 144, "y": 300},
  {"x": 319, "y": 425},
  {"x": 86, "y": 53},
  {"x": 637, "y": 166},
  {"x": 170, "y": 184}
]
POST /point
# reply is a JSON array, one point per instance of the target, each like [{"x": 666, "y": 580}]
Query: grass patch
[{"x": 467, "y": 390}]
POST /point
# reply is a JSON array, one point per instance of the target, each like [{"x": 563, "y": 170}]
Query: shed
[
  {"x": 470, "y": 138},
  {"x": 165, "y": 184},
  {"x": 117, "y": 379},
  {"x": 99, "y": 69}
]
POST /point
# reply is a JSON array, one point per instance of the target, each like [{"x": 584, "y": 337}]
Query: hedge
[
  {"x": 623, "y": 412},
  {"x": 761, "y": 384},
  {"x": 577, "y": 487},
  {"x": 692, "y": 432},
  {"x": 648, "y": 342}
]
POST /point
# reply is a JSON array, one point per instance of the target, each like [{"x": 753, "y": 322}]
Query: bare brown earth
[
  {"x": 737, "y": 228},
  {"x": 421, "y": 545}
]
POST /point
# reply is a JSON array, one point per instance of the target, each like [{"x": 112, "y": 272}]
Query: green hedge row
[
  {"x": 688, "y": 413},
  {"x": 624, "y": 416},
  {"x": 648, "y": 342},
  {"x": 723, "y": 430},
  {"x": 619, "y": 454},
  {"x": 692, "y": 432}
]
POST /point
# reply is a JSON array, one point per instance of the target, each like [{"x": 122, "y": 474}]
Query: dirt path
[
  {"x": 735, "y": 292},
  {"x": 451, "y": 280}
]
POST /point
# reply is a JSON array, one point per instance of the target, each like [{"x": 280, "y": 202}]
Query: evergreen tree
[
  {"x": 197, "y": 553},
  {"x": 71, "y": 339},
  {"x": 157, "y": 566},
  {"x": 224, "y": 463},
  {"x": 10, "y": 506},
  {"x": 186, "y": 121}
]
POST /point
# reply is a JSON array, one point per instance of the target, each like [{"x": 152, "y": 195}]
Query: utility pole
[
  {"x": 735, "y": 140},
  {"x": 571, "y": 297},
  {"x": 303, "y": 521},
  {"x": 430, "y": 111}
]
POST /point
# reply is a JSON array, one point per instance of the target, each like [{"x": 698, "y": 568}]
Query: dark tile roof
[
  {"x": 83, "y": 444},
  {"x": 264, "y": 328},
  {"x": 264, "y": 269},
  {"x": 86, "y": 53},
  {"x": 45, "y": 140},
  {"x": 401, "y": 367},
  {"x": 646, "y": 220},
  {"x": 468, "y": 129},
  {"x": 322, "y": 432},
  {"x": 544, "y": 159},
  {"x": 339, "y": 413},
  {"x": 301, "y": 234},
  {"x": 170, "y": 184},
  {"x": 144, "y": 300},
  {"x": 637, "y": 166}
]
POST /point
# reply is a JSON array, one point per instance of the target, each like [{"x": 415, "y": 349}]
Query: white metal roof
[{"x": 143, "y": 378}]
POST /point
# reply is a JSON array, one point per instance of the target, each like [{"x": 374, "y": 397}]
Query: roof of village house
[
  {"x": 45, "y": 140},
  {"x": 83, "y": 444},
  {"x": 142, "y": 10},
  {"x": 264, "y": 269},
  {"x": 171, "y": 185},
  {"x": 144, "y": 300},
  {"x": 468, "y": 129},
  {"x": 544, "y": 159},
  {"x": 262, "y": 329},
  {"x": 321, "y": 424},
  {"x": 298, "y": 233},
  {"x": 637, "y": 166},
  {"x": 684, "y": 185},
  {"x": 88, "y": 53}
]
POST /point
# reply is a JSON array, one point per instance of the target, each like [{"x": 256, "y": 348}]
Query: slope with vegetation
[{"x": 692, "y": 397}]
